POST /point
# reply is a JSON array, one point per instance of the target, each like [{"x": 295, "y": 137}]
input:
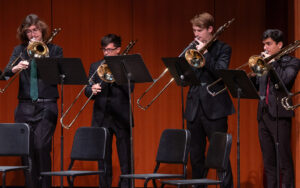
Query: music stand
[
  {"x": 62, "y": 71},
  {"x": 183, "y": 75},
  {"x": 128, "y": 69},
  {"x": 239, "y": 86},
  {"x": 281, "y": 91}
]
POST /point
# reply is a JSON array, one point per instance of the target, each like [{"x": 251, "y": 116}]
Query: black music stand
[
  {"x": 183, "y": 75},
  {"x": 62, "y": 71},
  {"x": 128, "y": 69},
  {"x": 281, "y": 91},
  {"x": 239, "y": 86}
]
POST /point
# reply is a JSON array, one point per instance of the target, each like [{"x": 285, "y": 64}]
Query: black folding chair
[
  {"x": 89, "y": 145},
  {"x": 14, "y": 141},
  {"x": 217, "y": 158},
  {"x": 173, "y": 149}
]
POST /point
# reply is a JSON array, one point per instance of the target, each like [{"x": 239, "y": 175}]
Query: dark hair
[
  {"x": 31, "y": 19},
  {"x": 111, "y": 38},
  {"x": 274, "y": 34},
  {"x": 203, "y": 20}
]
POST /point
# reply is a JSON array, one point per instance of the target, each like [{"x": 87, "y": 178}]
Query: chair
[
  {"x": 173, "y": 149},
  {"x": 217, "y": 158},
  {"x": 89, "y": 144},
  {"x": 14, "y": 141}
]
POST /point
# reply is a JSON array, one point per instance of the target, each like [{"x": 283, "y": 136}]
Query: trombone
[
  {"x": 285, "y": 102},
  {"x": 105, "y": 75},
  {"x": 258, "y": 64},
  {"x": 194, "y": 57},
  {"x": 35, "y": 49}
]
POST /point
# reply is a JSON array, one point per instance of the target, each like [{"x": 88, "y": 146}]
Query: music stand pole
[
  {"x": 182, "y": 106},
  {"x": 238, "y": 137},
  {"x": 281, "y": 88},
  {"x": 239, "y": 86},
  {"x": 127, "y": 69},
  {"x": 131, "y": 128},
  {"x": 62, "y": 76},
  {"x": 277, "y": 145}
]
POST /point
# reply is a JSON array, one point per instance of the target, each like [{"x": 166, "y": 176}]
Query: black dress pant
[
  {"x": 267, "y": 131},
  {"x": 202, "y": 128},
  {"x": 123, "y": 147},
  {"x": 41, "y": 118}
]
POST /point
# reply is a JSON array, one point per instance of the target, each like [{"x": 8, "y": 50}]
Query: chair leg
[
  {"x": 146, "y": 183},
  {"x": 120, "y": 181},
  {"x": 71, "y": 181},
  {"x": 3, "y": 179},
  {"x": 154, "y": 183}
]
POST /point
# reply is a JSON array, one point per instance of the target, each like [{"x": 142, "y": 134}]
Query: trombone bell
[
  {"x": 37, "y": 49},
  {"x": 105, "y": 74},
  {"x": 195, "y": 58},
  {"x": 258, "y": 65}
]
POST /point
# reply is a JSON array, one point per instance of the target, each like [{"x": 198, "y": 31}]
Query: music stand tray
[
  {"x": 238, "y": 79},
  {"x": 181, "y": 71},
  {"x": 133, "y": 66},
  {"x": 51, "y": 70}
]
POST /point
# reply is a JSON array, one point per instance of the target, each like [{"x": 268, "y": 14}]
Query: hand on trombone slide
[{"x": 20, "y": 66}]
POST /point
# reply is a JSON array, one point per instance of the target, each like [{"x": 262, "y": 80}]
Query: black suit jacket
[
  {"x": 217, "y": 57},
  {"x": 46, "y": 91},
  {"x": 287, "y": 69},
  {"x": 117, "y": 95}
]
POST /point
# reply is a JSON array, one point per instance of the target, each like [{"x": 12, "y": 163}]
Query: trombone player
[
  {"x": 287, "y": 68},
  {"x": 37, "y": 100},
  {"x": 204, "y": 113},
  {"x": 111, "y": 110}
]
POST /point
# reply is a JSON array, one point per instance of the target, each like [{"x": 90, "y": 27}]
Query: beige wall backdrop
[{"x": 162, "y": 29}]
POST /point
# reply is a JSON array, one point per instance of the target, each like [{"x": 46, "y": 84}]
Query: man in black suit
[
  {"x": 287, "y": 68},
  {"x": 37, "y": 100},
  {"x": 111, "y": 110},
  {"x": 204, "y": 113}
]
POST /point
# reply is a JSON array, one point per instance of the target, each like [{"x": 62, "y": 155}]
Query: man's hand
[
  {"x": 265, "y": 54},
  {"x": 20, "y": 66},
  {"x": 96, "y": 88},
  {"x": 200, "y": 45}
]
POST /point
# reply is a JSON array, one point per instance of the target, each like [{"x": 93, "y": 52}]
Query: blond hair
[{"x": 203, "y": 20}]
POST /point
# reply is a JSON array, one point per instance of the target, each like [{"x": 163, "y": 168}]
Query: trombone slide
[
  {"x": 147, "y": 90},
  {"x": 285, "y": 102},
  {"x": 72, "y": 104},
  {"x": 67, "y": 111}
]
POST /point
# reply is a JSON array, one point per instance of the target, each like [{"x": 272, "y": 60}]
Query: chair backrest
[
  {"x": 174, "y": 146},
  {"x": 218, "y": 151},
  {"x": 14, "y": 139},
  {"x": 89, "y": 144}
]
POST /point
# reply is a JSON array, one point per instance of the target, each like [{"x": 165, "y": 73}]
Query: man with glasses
[
  {"x": 37, "y": 100},
  {"x": 111, "y": 110}
]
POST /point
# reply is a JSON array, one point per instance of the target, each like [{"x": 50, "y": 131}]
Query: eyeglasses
[
  {"x": 29, "y": 31},
  {"x": 108, "y": 49}
]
